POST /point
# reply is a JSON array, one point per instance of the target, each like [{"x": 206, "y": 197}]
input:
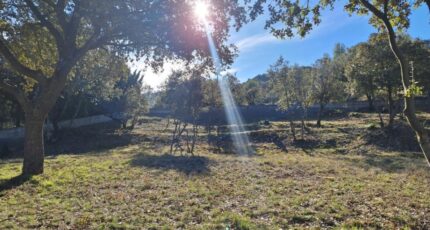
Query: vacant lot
[{"x": 335, "y": 178}]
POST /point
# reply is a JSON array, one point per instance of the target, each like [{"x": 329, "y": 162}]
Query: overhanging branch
[
  {"x": 16, "y": 93},
  {"x": 46, "y": 23},
  {"x": 18, "y": 66}
]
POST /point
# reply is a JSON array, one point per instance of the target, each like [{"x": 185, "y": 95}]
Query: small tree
[
  {"x": 293, "y": 85},
  {"x": 130, "y": 103},
  {"x": 361, "y": 79},
  {"x": 183, "y": 96},
  {"x": 327, "y": 86}
]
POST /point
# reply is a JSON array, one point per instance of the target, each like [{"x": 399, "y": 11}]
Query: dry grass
[{"x": 332, "y": 181}]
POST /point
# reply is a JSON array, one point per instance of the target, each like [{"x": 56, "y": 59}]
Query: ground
[{"x": 335, "y": 179}]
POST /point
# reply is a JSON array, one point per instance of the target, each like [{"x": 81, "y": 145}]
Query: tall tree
[
  {"x": 326, "y": 84},
  {"x": 358, "y": 70},
  {"x": 387, "y": 15},
  {"x": 43, "y": 40}
]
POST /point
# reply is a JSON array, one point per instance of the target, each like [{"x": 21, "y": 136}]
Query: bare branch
[{"x": 18, "y": 66}]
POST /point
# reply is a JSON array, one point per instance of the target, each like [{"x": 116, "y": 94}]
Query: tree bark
[
  {"x": 33, "y": 144},
  {"x": 370, "y": 101},
  {"x": 391, "y": 109},
  {"x": 320, "y": 114},
  {"x": 293, "y": 129},
  {"x": 381, "y": 119}
]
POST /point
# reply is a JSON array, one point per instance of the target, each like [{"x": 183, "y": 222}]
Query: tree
[
  {"x": 293, "y": 86},
  {"x": 129, "y": 103},
  {"x": 386, "y": 72},
  {"x": 253, "y": 94},
  {"x": 361, "y": 79},
  {"x": 327, "y": 86},
  {"x": 90, "y": 87},
  {"x": 183, "y": 96},
  {"x": 43, "y": 40},
  {"x": 389, "y": 16}
]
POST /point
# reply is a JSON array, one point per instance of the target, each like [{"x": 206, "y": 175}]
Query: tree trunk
[
  {"x": 18, "y": 115},
  {"x": 33, "y": 144},
  {"x": 293, "y": 129},
  {"x": 409, "y": 110},
  {"x": 391, "y": 109},
  {"x": 303, "y": 128},
  {"x": 303, "y": 122},
  {"x": 370, "y": 101},
  {"x": 381, "y": 120},
  {"x": 320, "y": 114}
]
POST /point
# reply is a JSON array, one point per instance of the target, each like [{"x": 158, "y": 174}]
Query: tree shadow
[
  {"x": 393, "y": 163},
  {"x": 83, "y": 140},
  {"x": 269, "y": 137},
  {"x": 13, "y": 182},
  {"x": 185, "y": 164},
  {"x": 311, "y": 143}
]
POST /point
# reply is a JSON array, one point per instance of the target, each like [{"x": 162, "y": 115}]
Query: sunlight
[
  {"x": 201, "y": 10},
  {"x": 237, "y": 129}
]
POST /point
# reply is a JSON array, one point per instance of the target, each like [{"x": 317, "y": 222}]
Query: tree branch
[
  {"x": 373, "y": 9},
  {"x": 46, "y": 23},
  {"x": 385, "y": 7},
  {"x": 71, "y": 30},
  {"x": 59, "y": 10},
  {"x": 16, "y": 93},
  {"x": 18, "y": 66}
]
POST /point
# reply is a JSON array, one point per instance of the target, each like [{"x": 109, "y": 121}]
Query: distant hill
[{"x": 261, "y": 78}]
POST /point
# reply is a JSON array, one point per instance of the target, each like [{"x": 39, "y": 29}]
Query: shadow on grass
[
  {"x": 393, "y": 163},
  {"x": 185, "y": 164},
  {"x": 84, "y": 140},
  {"x": 13, "y": 182},
  {"x": 95, "y": 138}
]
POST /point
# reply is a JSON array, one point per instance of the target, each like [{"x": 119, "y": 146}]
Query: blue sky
[{"x": 259, "y": 49}]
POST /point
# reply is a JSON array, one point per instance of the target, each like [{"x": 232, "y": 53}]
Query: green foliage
[
  {"x": 183, "y": 94},
  {"x": 130, "y": 103},
  {"x": 291, "y": 83},
  {"x": 414, "y": 90}
]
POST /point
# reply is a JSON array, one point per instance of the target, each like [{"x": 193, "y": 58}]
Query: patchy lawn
[{"x": 334, "y": 179}]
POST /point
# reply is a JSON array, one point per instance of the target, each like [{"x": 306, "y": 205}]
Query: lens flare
[{"x": 201, "y": 10}]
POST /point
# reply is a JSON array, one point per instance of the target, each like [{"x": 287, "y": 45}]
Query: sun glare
[{"x": 201, "y": 10}]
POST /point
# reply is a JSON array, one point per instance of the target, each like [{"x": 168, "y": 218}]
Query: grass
[{"x": 336, "y": 182}]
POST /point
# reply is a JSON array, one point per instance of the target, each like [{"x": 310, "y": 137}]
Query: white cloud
[{"x": 255, "y": 40}]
